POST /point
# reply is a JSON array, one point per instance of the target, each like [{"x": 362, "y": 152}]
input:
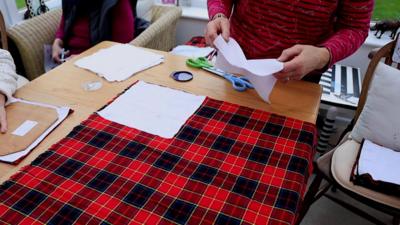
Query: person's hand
[
  {"x": 57, "y": 50},
  {"x": 3, "y": 116},
  {"x": 219, "y": 25},
  {"x": 300, "y": 60}
]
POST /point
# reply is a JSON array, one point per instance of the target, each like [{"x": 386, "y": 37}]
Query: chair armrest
[
  {"x": 161, "y": 33},
  {"x": 30, "y": 36}
]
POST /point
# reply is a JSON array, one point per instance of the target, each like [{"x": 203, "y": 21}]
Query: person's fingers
[
  {"x": 290, "y": 53},
  {"x": 211, "y": 33},
  {"x": 3, "y": 120},
  {"x": 56, "y": 55},
  {"x": 225, "y": 27}
]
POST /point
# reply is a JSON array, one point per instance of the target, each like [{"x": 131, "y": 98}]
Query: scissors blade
[{"x": 215, "y": 71}]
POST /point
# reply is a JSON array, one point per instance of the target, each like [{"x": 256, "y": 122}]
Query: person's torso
[
  {"x": 121, "y": 22},
  {"x": 264, "y": 28}
]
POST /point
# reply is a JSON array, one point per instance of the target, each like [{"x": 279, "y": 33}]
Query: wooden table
[{"x": 63, "y": 86}]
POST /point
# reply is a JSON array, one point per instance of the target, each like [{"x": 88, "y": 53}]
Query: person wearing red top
[
  {"x": 309, "y": 36},
  {"x": 85, "y": 23}
]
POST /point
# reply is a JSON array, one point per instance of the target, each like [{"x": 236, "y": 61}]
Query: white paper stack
[
  {"x": 156, "y": 110},
  {"x": 119, "y": 62},
  {"x": 260, "y": 72},
  {"x": 381, "y": 163}
]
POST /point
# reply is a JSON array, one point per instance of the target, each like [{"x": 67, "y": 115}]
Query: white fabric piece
[
  {"x": 231, "y": 59},
  {"x": 379, "y": 162},
  {"x": 119, "y": 62},
  {"x": 154, "y": 109},
  {"x": 379, "y": 121},
  {"x": 62, "y": 114},
  {"x": 191, "y": 51}
]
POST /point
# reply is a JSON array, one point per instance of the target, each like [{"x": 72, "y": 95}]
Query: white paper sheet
[
  {"x": 154, "y": 109},
  {"x": 191, "y": 51},
  {"x": 260, "y": 72},
  {"x": 381, "y": 163},
  {"x": 62, "y": 114},
  {"x": 119, "y": 62}
]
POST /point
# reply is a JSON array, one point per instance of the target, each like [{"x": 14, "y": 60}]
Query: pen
[{"x": 62, "y": 58}]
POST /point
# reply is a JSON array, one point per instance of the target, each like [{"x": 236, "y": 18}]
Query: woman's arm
[
  {"x": 219, "y": 6},
  {"x": 352, "y": 27},
  {"x": 8, "y": 84}
]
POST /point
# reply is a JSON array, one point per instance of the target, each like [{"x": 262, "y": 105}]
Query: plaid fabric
[
  {"x": 197, "y": 41},
  {"x": 227, "y": 165}
]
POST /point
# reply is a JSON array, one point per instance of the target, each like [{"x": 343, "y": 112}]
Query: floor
[{"x": 327, "y": 212}]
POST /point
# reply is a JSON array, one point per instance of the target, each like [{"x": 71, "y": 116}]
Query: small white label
[{"x": 27, "y": 126}]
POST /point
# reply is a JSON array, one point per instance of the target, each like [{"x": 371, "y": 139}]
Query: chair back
[
  {"x": 384, "y": 54},
  {"x": 3, "y": 33}
]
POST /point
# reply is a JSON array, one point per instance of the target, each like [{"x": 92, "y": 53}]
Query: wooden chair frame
[{"x": 315, "y": 190}]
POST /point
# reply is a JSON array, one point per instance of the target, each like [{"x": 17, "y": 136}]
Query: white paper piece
[
  {"x": 260, "y": 72},
  {"x": 119, "y": 62},
  {"x": 24, "y": 128},
  {"x": 154, "y": 109},
  {"x": 380, "y": 162},
  {"x": 62, "y": 114},
  {"x": 191, "y": 51}
]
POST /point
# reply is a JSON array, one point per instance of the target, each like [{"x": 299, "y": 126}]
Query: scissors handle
[{"x": 237, "y": 83}]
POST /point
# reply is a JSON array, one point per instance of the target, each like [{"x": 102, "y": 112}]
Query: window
[{"x": 386, "y": 10}]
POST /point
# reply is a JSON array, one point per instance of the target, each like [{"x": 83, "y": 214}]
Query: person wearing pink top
[
  {"x": 309, "y": 36},
  {"x": 85, "y": 23}
]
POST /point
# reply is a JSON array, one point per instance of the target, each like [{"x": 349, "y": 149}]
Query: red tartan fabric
[{"x": 227, "y": 165}]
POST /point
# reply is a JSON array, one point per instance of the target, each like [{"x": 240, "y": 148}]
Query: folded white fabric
[
  {"x": 379, "y": 162},
  {"x": 154, "y": 109},
  {"x": 119, "y": 62},
  {"x": 191, "y": 51},
  {"x": 260, "y": 72}
]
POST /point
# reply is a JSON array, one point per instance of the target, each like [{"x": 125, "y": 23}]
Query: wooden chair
[
  {"x": 326, "y": 163},
  {"x": 3, "y": 33}
]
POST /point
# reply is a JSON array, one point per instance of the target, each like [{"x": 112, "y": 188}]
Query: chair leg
[
  {"x": 310, "y": 196},
  {"x": 396, "y": 220}
]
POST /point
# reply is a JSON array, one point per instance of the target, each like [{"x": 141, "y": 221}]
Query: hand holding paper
[{"x": 260, "y": 72}]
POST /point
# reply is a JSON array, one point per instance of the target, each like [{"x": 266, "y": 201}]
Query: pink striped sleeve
[
  {"x": 351, "y": 28},
  {"x": 219, "y": 6}
]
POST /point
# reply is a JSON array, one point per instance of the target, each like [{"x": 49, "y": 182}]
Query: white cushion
[
  {"x": 379, "y": 121},
  {"x": 143, "y": 7}
]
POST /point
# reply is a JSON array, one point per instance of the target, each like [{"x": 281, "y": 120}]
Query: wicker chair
[{"x": 32, "y": 34}]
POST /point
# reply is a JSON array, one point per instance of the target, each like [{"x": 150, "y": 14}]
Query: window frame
[{"x": 13, "y": 15}]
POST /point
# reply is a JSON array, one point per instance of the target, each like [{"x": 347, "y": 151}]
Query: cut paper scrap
[
  {"x": 231, "y": 59},
  {"x": 153, "y": 109},
  {"x": 119, "y": 62}
]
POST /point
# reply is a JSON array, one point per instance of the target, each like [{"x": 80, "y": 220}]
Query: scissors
[{"x": 238, "y": 83}]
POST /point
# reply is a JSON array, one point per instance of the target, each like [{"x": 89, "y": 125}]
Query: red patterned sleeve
[
  {"x": 219, "y": 6},
  {"x": 351, "y": 28},
  {"x": 60, "y": 31}
]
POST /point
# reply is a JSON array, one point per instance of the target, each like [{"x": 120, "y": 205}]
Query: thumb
[
  {"x": 289, "y": 53},
  {"x": 3, "y": 121}
]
